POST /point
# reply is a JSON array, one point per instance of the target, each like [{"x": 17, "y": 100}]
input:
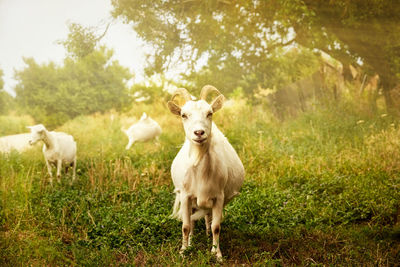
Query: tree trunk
[{"x": 387, "y": 86}]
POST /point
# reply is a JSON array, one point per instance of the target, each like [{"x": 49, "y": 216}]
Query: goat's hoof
[
  {"x": 217, "y": 254},
  {"x": 182, "y": 252}
]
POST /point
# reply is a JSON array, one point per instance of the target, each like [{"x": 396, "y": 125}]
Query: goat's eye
[
  {"x": 209, "y": 115},
  {"x": 184, "y": 116}
]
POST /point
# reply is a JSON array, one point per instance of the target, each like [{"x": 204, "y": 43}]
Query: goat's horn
[
  {"x": 182, "y": 92},
  {"x": 206, "y": 90}
]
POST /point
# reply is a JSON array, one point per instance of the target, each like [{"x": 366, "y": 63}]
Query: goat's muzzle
[
  {"x": 201, "y": 137},
  {"x": 199, "y": 133}
]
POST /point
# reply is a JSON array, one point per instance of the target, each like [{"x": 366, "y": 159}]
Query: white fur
[
  {"x": 59, "y": 148},
  {"x": 18, "y": 142},
  {"x": 207, "y": 172},
  {"x": 145, "y": 129}
]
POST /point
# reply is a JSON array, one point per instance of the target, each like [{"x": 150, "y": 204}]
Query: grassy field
[{"x": 321, "y": 189}]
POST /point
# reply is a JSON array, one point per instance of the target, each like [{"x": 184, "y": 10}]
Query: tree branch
[{"x": 272, "y": 47}]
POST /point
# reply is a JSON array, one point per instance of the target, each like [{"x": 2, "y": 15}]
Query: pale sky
[{"x": 30, "y": 28}]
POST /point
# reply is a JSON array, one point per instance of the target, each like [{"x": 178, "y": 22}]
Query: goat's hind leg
[
  {"x": 74, "y": 169},
  {"x": 207, "y": 219},
  {"x": 59, "y": 164}
]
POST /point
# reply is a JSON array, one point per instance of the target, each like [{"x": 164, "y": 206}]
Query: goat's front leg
[
  {"x": 49, "y": 170},
  {"x": 216, "y": 225},
  {"x": 186, "y": 206},
  {"x": 130, "y": 143},
  {"x": 59, "y": 163}
]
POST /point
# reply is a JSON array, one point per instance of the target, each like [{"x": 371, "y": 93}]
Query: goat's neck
[
  {"x": 48, "y": 140},
  {"x": 197, "y": 152}
]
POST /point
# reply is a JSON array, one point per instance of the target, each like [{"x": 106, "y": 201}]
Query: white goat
[
  {"x": 207, "y": 172},
  {"x": 58, "y": 148},
  {"x": 145, "y": 129},
  {"x": 18, "y": 142}
]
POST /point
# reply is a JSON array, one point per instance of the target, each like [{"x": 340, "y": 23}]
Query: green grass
[
  {"x": 321, "y": 189},
  {"x": 13, "y": 124}
]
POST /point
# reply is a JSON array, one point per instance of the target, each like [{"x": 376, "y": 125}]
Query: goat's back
[
  {"x": 19, "y": 142},
  {"x": 144, "y": 130},
  {"x": 64, "y": 149},
  {"x": 225, "y": 156}
]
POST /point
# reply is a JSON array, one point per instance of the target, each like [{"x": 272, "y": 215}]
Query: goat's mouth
[
  {"x": 32, "y": 142},
  {"x": 200, "y": 141}
]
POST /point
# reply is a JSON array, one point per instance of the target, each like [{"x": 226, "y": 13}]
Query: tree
[
  {"x": 81, "y": 41},
  {"x": 244, "y": 34},
  {"x": 87, "y": 82},
  {"x": 364, "y": 29},
  {"x": 6, "y": 100},
  {"x": 1, "y": 79},
  {"x": 185, "y": 32}
]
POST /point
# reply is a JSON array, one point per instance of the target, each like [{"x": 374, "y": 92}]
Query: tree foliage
[
  {"x": 80, "y": 42},
  {"x": 364, "y": 29},
  {"x": 1, "y": 79},
  {"x": 6, "y": 100},
  {"x": 237, "y": 37},
  {"x": 86, "y": 83}
]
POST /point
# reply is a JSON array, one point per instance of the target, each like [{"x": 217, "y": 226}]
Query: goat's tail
[{"x": 176, "y": 212}]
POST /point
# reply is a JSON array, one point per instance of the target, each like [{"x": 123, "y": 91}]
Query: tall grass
[
  {"x": 320, "y": 189},
  {"x": 14, "y": 124}
]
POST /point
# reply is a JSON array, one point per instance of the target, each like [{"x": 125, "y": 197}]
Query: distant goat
[
  {"x": 18, "y": 142},
  {"x": 59, "y": 148},
  {"x": 207, "y": 172},
  {"x": 145, "y": 129}
]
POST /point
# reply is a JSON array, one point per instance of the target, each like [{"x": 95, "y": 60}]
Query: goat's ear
[
  {"x": 218, "y": 103},
  {"x": 174, "y": 108},
  {"x": 144, "y": 116}
]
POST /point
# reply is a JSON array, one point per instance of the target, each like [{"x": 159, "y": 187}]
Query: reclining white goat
[
  {"x": 145, "y": 129},
  {"x": 207, "y": 172},
  {"x": 18, "y": 142},
  {"x": 59, "y": 148}
]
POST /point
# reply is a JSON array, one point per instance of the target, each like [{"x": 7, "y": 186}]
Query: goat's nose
[{"x": 199, "y": 133}]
